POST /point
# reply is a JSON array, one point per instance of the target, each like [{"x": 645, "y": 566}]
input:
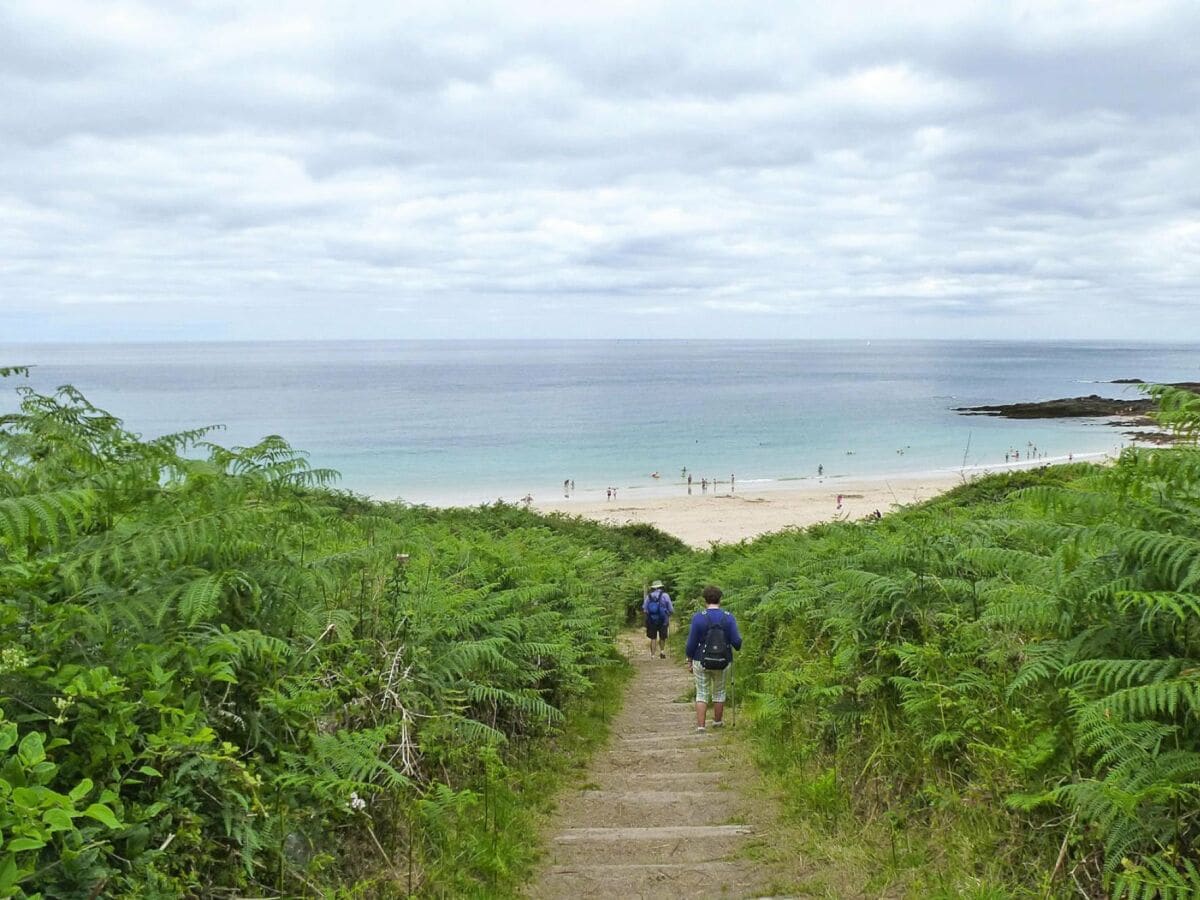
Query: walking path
[{"x": 659, "y": 811}]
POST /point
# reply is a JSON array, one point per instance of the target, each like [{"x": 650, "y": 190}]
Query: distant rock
[{"x": 1092, "y": 406}]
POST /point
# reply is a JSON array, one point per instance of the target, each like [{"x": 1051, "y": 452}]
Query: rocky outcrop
[{"x": 1092, "y": 406}]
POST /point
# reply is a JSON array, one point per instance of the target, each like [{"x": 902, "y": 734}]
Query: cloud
[{"x": 309, "y": 170}]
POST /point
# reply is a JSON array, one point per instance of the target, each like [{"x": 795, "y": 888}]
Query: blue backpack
[{"x": 656, "y": 610}]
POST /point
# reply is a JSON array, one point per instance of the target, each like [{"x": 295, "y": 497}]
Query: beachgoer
[
  {"x": 608, "y": 493},
  {"x": 878, "y": 515},
  {"x": 653, "y": 474},
  {"x": 731, "y": 481},
  {"x": 614, "y": 493},
  {"x": 657, "y": 608},
  {"x": 820, "y": 470},
  {"x": 527, "y": 499},
  {"x": 703, "y": 651},
  {"x": 1070, "y": 457},
  {"x": 839, "y": 501},
  {"x": 689, "y": 481},
  {"x": 572, "y": 484},
  {"x": 704, "y": 485}
]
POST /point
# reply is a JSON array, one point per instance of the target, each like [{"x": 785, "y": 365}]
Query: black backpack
[{"x": 715, "y": 652}]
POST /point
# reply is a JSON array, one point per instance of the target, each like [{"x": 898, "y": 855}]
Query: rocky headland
[{"x": 1121, "y": 413}]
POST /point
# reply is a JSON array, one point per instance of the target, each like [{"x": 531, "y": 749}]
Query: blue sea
[{"x": 472, "y": 421}]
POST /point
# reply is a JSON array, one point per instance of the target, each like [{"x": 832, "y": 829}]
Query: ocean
[{"x": 464, "y": 422}]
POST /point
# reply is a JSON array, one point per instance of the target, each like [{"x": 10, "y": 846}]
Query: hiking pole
[{"x": 732, "y": 708}]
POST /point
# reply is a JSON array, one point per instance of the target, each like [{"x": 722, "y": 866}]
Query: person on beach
[
  {"x": 658, "y": 609},
  {"x": 839, "y": 502},
  {"x": 712, "y": 638},
  {"x": 820, "y": 471}
]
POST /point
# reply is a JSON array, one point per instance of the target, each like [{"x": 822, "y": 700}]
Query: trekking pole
[{"x": 732, "y": 708}]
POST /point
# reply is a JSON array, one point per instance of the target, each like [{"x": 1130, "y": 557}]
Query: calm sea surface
[{"x": 469, "y": 421}]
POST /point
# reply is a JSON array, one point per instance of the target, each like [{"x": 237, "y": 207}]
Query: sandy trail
[{"x": 658, "y": 813}]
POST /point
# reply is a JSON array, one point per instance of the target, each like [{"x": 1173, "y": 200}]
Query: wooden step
[
  {"x": 690, "y": 780},
  {"x": 650, "y": 808},
  {"x": 652, "y": 834},
  {"x": 700, "y": 879}
]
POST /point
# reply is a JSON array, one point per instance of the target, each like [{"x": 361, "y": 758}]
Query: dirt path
[{"x": 659, "y": 813}]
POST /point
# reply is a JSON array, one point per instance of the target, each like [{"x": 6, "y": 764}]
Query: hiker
[
  {"x": 712, "y": 638},
  {"x": 657, "y": 606}
]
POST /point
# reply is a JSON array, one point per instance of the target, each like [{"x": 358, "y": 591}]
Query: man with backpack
[
  {"x": 711, "y": 641},
  {"x": 658, "y": 609}
]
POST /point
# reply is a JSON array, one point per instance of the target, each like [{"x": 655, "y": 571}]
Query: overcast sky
[{"x": 569, "y": 169}]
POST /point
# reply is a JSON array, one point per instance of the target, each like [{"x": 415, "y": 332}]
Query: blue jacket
[{"x": 700, "y": 625}]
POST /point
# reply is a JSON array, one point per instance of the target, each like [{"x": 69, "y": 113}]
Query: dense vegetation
[
  {"x": 219, "y": 677},
  {"x": 1014, "y": 667}
]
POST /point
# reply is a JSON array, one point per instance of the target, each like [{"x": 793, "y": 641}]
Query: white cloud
[{"x": 314, "y": 169}]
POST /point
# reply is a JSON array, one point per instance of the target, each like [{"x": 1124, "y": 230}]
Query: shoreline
[{"x": 726, "y": 517}]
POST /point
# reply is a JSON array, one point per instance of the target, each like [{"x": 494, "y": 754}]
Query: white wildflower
[{"x": 13, "y": 659}]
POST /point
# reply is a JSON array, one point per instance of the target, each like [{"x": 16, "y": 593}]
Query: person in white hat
[{"x": 658, "y": 609}]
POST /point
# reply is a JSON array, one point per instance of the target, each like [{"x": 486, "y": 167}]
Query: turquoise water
[{"x": 469, "y": 421}]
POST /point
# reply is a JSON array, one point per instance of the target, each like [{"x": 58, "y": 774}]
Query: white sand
[{"x": 723, "y": 517}]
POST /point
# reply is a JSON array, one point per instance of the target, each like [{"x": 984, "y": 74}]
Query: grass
[
  {"x": 489, "y": 853},
  {"x": 546, "y": 771}
]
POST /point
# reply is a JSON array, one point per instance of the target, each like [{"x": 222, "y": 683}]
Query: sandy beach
[{"x": 727, "y": 517}]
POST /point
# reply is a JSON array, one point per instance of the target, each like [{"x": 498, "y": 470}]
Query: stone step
[{"x": 700, "y": 879}]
